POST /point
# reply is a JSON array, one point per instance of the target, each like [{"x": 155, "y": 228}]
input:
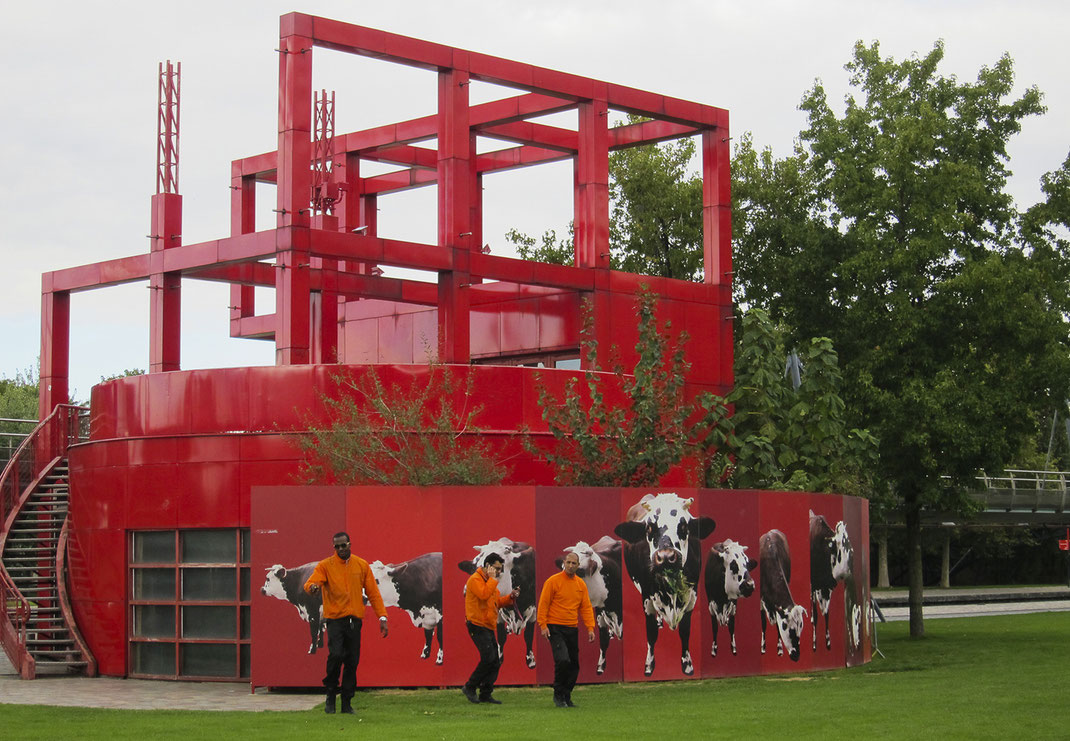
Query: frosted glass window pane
[
  {"x": 209, "y": 659},
  {"x": 245, "y": 661},
  {"x": 209, "y": 585},
  {"x": 154, "y": 621},
  {"x": 245, "y": 585},
  {"x": 245, "y": 622},
  {"x": 208, "y": 622},
  {"x": 154, "y": 584},
  {"x": 154, "y": 658},
  {"x": 208, "y": 546},
  {"x": 154, "y": 547}
]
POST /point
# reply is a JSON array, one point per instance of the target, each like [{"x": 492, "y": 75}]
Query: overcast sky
[{"x": 78, "y": 145}]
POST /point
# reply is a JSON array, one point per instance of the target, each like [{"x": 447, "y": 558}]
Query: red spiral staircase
[{"x": 37, "y": 626}]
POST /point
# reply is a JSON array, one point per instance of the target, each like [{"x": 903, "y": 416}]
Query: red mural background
[{"x": 293, "y": 525}]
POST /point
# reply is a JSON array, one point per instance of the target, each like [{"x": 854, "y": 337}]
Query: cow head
[
  {"x": 842, "y": 554},
  {"x": 737, "y": 567},
  {"x": 667, "y": 525},
  {"x": 590, "y": 562},
  {"x": 790, "y": 625},
  {"x": 273, "y": 586},
  {"x": 384, "y": 579},
  {"x": 505, "y": 548}
]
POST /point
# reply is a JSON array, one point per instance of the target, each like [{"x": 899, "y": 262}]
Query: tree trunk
[
  {"x": 917, "y": 588},
  {"x": 945, "y": 561},
  {"x": 883, "y": 582}
]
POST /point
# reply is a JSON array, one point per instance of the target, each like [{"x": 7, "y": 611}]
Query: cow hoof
[
  {"x": 648, "y": 669},
  {"x": 733, "y": 650},
  {"x": 600, "y": 670},
  {"x": 687, "y": 668},
  {"x": 531, "y": 660},
  {"x": 438, "y": 659},
  {"x": 425, "y": 653},
  {"x": 312, "y": 650}
]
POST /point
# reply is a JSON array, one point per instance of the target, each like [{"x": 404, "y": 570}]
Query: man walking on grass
[
  {"x": 563, "y": 603},
  {"x": 481, "y": 603},
  {"x": 344, "y": 580}
]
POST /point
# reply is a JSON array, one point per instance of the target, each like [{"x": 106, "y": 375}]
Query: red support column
[
  {"x": 54, "y": 387},
  {"x": 717, "y": 206},
  {"x": 292, "y": 297},
  {"x": 242, "y": 221},
  {"x": 456, "y": 183},
  {"x": 165, "y": 302},
  {"x": 591, "y": 198}
]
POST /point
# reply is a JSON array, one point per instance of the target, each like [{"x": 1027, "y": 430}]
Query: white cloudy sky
[{"x": 78, "y": 124}]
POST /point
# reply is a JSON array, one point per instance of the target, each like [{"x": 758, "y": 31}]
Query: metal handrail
[
  {"x": 1028, "y": 490},
  {"x": 48, "y": 441}
]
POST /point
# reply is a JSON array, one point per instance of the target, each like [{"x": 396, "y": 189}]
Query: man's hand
[
  {"x": 545, "y": 631},
  {"x": 313, "y": 589},
  {"x": 383, "y": 629},
  {"x": 590, "y": 636},
  {"x": 515, "y": 593}
]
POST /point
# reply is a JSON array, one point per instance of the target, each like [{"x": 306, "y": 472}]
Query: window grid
[{"x": 176, "y": 649}]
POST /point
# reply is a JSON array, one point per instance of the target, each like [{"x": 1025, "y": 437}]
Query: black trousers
[
  {"x": 486, "y": 671},
  {"x": 343, "y": 655},
  {"x": 565, "y": 645}
]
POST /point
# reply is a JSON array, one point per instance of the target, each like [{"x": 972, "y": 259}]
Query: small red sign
[{"x": 1064, "y": 545}]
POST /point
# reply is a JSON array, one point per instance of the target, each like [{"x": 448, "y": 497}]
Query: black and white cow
[
  {"x": 778, "y": 607},
  {"x": 600, "y": 570},
  {"x": 831, "y": 558},
  {"x": 727, "y": 577},
  {"x": 416, "y": 587},
  {"x": 519, "y": 572},
  {"x": 664, "y": 560},
  {"x": 289, "y": 585}
]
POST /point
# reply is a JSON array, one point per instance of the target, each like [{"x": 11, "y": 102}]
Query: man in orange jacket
[
  {"x": 564, "y": 601},
  {"x": 481, "y": 602},
  {"x": 344, "y": 579}
]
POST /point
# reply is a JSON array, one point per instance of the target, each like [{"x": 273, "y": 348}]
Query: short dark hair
[
  {"x": 342, "y": 534},
  {"x": 492, "y": 558}
]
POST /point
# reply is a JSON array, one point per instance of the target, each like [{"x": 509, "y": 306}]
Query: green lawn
[{"x": 973, "y": 678}]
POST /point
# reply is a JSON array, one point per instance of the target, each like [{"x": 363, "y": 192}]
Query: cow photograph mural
[{"x": 422, "y": 544}]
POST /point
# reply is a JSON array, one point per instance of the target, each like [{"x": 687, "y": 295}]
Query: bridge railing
[{"x": 1019, "y": 490}]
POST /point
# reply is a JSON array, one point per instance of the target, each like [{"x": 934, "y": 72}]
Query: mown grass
[{"x": 1002, "y": 677}]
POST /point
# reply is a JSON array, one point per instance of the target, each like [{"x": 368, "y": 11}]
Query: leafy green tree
[
  {"x": 656, "y": 219},
  {"x": 406, "y": 435},
  {"x": 793, "y": 438},
  {"x": 548, "y": 249},
  {"x": 951, "y": 336},
  {"x": 18, "y": 397}
]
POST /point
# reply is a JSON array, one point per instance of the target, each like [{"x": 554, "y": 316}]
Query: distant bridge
[{"x": 1016, "y": 497}]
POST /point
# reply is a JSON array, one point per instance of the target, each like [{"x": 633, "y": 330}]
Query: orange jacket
[
  {"x": 482, "y": 600},
  {"x": 343, "y": 585},
  {"x": 564, "y": 601}
]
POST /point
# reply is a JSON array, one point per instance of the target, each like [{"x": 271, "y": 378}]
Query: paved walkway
[{"x": 145, "y": 694}]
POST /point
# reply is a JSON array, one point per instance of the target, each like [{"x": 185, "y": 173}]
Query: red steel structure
[{"x": 175, "y": 454}]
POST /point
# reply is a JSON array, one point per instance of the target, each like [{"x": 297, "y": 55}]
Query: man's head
[
  {"x": 493, "y": 564},
  {"x": 571, "y": 564},
  {"x": 341, "y": 545}
]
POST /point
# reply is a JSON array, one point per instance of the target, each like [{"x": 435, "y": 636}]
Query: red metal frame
[{"x": 322, "y": 261}]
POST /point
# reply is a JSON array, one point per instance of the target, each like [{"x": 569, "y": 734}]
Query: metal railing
[
  {"x": 1024, "y": 491},
  {"x": 48, "y": 441}
]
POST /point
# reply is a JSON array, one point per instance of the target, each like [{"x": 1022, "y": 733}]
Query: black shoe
[
  {"x": 569, "y": 703},
  {"x": 328, "y": 707},
  {"x": 560, "y": 702},
  {"x": 347, "y": 705},
  {"x": 491, "y": 700},
  {"x": 470, "y": 694}
]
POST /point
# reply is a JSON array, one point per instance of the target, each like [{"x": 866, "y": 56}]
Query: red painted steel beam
[
  {"x": 591, "y": 200},
  {"x": 370, "y": 42},
  {"x": 648, "y": 132},
  {"x": 400, "y": 154},
  {"x": 54, "y": 379},
  {"x": 525, "y": 132}
]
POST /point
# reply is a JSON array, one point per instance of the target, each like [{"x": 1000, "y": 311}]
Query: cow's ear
[
  {"x": 558, "y": 562},
  {"x": 467, "y": 567},
  {"x": 702, "y": 527},
  {"x": 631, "y": 531},
  {"x": 718, "y": 548},
  {"x": 752, "y": 564}
]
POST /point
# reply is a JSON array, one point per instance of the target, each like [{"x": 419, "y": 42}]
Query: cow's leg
[
  {"x": 429, "y": 634},
  {"x": 603, "y": 644},
  {"x": 813, "y": 611},
  {"x": 732, "y": 630},
  {"x": 315, "y": 635},
  {"x": 685, "y": 645},
  {"x": 765, "y": 624},
  {"x": 438, "y": 632},
  {"x": 529, "y": 638},
  {"x": 652, "y": 625},
  {"x": 828, "y": 635},
  {"x": 713, "y": 623}
]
